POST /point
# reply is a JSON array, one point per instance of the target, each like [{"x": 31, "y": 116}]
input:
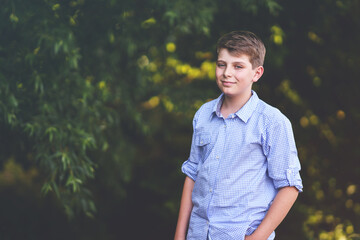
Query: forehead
[{"x": 225, "y": 55}]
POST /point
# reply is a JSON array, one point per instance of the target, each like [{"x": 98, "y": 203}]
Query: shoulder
[
  {"x": 206, "y": 109},
  {"x": 270, "y": 115},
  {"x": 209, "y": 105}
]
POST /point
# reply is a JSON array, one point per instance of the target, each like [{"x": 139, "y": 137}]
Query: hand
[
  {"x": 249, "y": 237},
  {"x": 253, "y": 237},
  {"x": 179, "y": 238}
]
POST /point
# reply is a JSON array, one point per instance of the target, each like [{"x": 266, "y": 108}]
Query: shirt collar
[
  {"x": 245, "y": 112},
  {"x": 217, "y": 105}
]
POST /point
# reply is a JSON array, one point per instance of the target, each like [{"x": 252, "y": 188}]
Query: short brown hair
[{"x": 243, "y": 42}]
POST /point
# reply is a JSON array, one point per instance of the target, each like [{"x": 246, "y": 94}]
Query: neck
[{"x": 232, "y": 104}]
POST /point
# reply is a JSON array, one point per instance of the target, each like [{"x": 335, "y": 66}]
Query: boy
[{"x": 243, "y": 170}]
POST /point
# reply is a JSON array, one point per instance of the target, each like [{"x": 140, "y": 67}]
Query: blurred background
[{"x": 97, "y": 99}]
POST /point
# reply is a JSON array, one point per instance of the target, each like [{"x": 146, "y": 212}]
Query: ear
[{"x": 258, "y": 73}]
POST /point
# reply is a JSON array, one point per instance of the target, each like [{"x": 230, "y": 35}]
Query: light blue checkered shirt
[{"x": 238, "y": 164}]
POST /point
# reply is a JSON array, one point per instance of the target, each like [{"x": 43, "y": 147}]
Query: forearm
[
  {"x": 185, "y": 209},
  {"x": 281, "y": 205}
]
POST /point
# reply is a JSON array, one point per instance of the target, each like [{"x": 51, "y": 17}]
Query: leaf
[
  {"x": 57, "y": 46},
  {"x": 46, "y": 188},
  {"x": 65, "y": 160},
  {"x": 11, "y": 118},
  {"x": 55, "y": 7},
  {"x": 13, "y": 101},
  {"x": 13, "y": 18},
  {"x": 50, "y": 131},
  {"x": 29, "y": 128},
  {"x": 39, "y": 87}
]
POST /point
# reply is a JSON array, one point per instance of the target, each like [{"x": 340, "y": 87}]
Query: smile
[{"x": 227, "y": 83}]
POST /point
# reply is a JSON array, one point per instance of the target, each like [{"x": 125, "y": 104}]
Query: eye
[
  {"x": 220, "y": 65},
  {"x": 238, "y": 67}
]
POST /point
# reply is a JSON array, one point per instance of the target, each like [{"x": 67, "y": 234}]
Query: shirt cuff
[
  {"x": 292, "y": 179},
  {"x": 190, "y": 169}
]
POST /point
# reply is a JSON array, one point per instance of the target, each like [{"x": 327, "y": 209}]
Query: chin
[
  {"x": 228, "y": 92},
  {"x": 230, "y": 95}
]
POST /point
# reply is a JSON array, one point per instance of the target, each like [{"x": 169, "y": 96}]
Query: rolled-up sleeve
[
  {"x": 280, "y": 150},
  {"x": 190, "y": 169},
  {"x": 190, "y": 166}
]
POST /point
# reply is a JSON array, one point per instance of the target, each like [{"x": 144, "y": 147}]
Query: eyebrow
[{"x": 240, "y": 62}]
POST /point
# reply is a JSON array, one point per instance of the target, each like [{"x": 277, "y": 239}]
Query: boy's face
[{"x": 235, "y": 74}]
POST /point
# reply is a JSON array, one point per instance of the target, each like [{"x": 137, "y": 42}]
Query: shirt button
[
  {"x": 210, "y": 189},
  {"x": 201, "y": 142},
  {"x": 217, "y": 157},
  {"x": 224, "y": 126},
  {"x": 207, "y": 222}
]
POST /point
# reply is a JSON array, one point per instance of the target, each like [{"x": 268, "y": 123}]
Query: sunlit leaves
[
  {"x": 205, "y": 71},
  {"x": 315, "y": 38},
  {"x": 50, "y": 131},
  {"x": 55, "y": 7},
  {"x": 13, "y": 173},
  {"x": 148, "y": 22},
  {"x": 340, "y": 114},
  {"x": 170, "y": 47},
  {"x": 338, "y": 231},
  {"x": 74, "y": 183},
  {"x": 277, "y": 35},
  {"x": 13, "y": 18},
  {"x": 152, "y": 102},
  {"x": 143, "y": 61},
  {"x": 351, "y": 189},
  {"x": 289, "y": 92},
  {"x": 183, "y": 19}
]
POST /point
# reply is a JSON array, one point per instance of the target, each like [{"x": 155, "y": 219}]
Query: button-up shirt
[{"x": 238, "y": 164}]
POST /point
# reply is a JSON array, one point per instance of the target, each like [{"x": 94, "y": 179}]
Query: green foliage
[
  {"x": 97, "y": 98},
  {"x": 72, "y": 82}
]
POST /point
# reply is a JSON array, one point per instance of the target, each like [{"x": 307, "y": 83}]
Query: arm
[
  {"x": 186, "y": 206},
  {"x": 281, "y": 205}
]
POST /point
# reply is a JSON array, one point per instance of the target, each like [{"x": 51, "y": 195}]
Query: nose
[{"x": 227, "y": 72}]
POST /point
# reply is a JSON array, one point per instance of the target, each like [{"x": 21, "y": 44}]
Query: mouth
[{"x": 227, "y": 83}]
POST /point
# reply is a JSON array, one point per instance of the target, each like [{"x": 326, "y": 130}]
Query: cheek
[
  {"x": 218, "y": 72},
  {"x": 240, "y": 76}
]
